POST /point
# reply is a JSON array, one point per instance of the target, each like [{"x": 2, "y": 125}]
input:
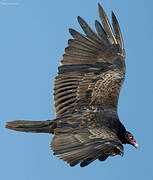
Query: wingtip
[
  {"x": 71, "y": 31},
  {"x": 79, "y": 18},
  {"x": 100, "y": 8},
  {"x": 112, "y": 14},
  {"x": 96, "y": 22},
  {"x": 99, "y": 5},
  {"x": 113, "y": 17},
  {"x": 102, "y": 13}
]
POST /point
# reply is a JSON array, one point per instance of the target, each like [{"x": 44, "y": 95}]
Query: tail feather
[{"x": 32, "y": 126}]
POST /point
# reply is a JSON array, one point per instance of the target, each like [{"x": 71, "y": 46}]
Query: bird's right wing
[
  {"x": 86, "y": 145},
  {"x": 92, "y": 69}
]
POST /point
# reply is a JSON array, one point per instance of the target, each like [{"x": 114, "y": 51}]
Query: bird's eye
[{"x": 130, "y": 137}]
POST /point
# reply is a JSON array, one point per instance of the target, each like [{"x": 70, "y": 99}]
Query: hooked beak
[{"x": 135, "y": 145}]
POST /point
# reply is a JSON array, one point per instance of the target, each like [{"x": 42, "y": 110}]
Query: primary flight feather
[{"x": 86, "y": 92}]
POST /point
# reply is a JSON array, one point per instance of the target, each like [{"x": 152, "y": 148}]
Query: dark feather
[
  {"x": 89, "y": 32},
  {"x": 117, "y": 32},
  {"x": 102, "y": 33},
  {"x": 84, "y": 147},
  {"x": 106, "y": 25}
]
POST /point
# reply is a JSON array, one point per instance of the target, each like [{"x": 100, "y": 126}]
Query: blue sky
[{"x": 33, "y": 35}]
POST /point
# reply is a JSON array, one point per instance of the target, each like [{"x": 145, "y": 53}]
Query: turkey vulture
[{"x": 86, "y": 92}]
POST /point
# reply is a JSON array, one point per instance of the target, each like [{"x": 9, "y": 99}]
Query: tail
[{"x": 32, "y": 126}]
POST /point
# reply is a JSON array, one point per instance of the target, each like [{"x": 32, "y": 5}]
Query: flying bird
[{"x": 86, "y": 93}]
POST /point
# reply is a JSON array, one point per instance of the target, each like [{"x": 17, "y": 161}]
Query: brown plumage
[{"x": 86, "y": 94}]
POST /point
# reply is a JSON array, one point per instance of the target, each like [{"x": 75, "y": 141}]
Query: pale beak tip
[{"x": 136, "y": 145}]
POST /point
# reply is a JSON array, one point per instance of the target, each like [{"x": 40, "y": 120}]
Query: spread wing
[
  {"x": 86, "y": 145},
  {"x": 92, "y": 69}
]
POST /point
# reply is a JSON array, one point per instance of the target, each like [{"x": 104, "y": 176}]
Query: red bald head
[{"x": 130, "y": 139}]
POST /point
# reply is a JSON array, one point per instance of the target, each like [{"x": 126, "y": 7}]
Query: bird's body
[{"x": 86, "y": 92}]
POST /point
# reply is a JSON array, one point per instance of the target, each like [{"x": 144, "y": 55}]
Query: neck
[{"x": 122, "y": 134}]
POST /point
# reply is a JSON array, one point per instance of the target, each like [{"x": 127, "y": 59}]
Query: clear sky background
[{"x": 33, "y": 35}]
